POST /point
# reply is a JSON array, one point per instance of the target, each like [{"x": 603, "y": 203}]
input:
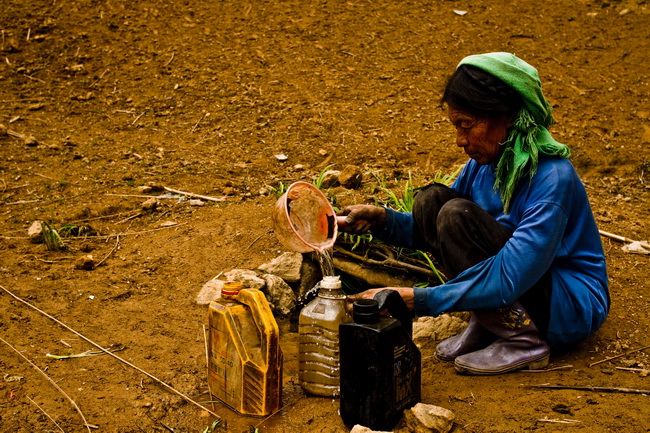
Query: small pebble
[{"x": 30, "y": 141}]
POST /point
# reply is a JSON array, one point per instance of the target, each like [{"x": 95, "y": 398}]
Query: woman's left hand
[{"x": 405, "y": 292}]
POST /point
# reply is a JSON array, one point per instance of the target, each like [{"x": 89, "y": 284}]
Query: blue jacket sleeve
[
  {"x": 502, "y": 279},
  {"x": 400, "y": 230}
]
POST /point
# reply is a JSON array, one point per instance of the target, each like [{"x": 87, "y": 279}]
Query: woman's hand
[
  {"x": 405, "y": 292},
  {"x": 360, "y": 218}
]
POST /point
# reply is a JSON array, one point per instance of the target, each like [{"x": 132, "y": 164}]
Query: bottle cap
[
  {"x": 365, "y": 311},
  {"x": 231, "y": 288},
  {"x": 331, "y": 282}
]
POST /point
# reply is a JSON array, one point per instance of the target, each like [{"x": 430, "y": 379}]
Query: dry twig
[
  {"x": 635, "y": 370},
  {"x": 49, "y": 379},
  {"x": 593, "y": 388},
  {"x": 207, "y": 358},
  {"x": 46, "y": 177},
  {"x": 559, "y": 367},
  {"x": 559, "y": 421},
  {"x": 190, "y": 194},
  {"x": 117, "y": 243},
  {"x": 134, "y": 195},
  {"x": 129, "y": 218},
  {"x": 387, "y": 259},
  {"x": 618, "y": 356},
  {"x": 138, "y": 118},
  {"x": 196, "y": 125},
  {"x": 100, "y": 77},
  {"x": 259, "y": 237},
  {"x": 46, "y": 414},
  {"x": 108, "y": 352},
  {"x": 23, "y": 202}
]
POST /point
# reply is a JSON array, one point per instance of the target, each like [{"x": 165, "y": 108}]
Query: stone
[
  {"x": 86, "y": 263},
  {"x": 30, "y": 141},
  {"x": 426, "y": 418},
  {"x": 247, "y": 277},
  {"x": 280, "y": 295},
  {"x": 286, "y": 266},
  {"x": 35, "y": 232},
  {"x": 150, "y": 205},
  {"x": 351, "y": 177},
  {"x": 361, "y": 429},
  {"x": 209, "y": 292},
  {"x": 437, "y": 328},
  {"x": 330, "y": 179}
]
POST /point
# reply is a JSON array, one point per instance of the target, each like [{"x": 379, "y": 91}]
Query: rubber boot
[
  {"x": 473, "y": 337},
  {"x": 519, "y": 345}
]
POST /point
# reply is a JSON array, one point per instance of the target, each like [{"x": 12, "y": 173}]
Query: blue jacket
[{"x": 553, "y": 228}]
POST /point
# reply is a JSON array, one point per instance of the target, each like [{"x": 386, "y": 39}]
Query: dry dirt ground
[{"x": 200, "y": 96}]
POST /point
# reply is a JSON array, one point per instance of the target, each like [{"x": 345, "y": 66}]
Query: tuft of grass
[
  {"x": 278, "y": 190},
  {"x": 75, "y": 230},
  {"x": 357, "y": 240},
  {"x": 447, "y": 179},
  {"x": 432, "y": 266},
  {"x": 211, "y": 427},
  {"x": 318, "y": 182},
  {"x": 405, "y": 202},
  {"x": 401, "y": 202},
  {"x": 52, "y": 239}
]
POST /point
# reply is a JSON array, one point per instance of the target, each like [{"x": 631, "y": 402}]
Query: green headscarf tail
[{"x": 529, "y": 135}]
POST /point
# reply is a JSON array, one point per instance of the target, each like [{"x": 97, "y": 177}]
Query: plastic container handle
[
  {"x": 392, "y": 301},
  {"x": 262, "y": 314}
]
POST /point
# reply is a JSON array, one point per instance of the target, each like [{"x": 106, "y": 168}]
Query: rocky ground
[{"x": 98, "y": 98}]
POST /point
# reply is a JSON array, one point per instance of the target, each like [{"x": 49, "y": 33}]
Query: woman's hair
[{"x": 478, "y": 93}]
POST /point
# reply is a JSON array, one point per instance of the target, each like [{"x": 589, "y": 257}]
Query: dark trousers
[{"x": 460, "y": 234}]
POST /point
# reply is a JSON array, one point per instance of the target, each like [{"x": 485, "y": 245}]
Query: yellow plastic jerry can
[{"x": 244, "y": 354}]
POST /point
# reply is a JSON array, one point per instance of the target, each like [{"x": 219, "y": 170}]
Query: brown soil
[{"x": 200, "y": 96}]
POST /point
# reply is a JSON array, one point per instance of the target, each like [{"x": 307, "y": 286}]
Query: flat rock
[
  {"x": 351, "y": 177},
  {"x": 86, "y": 263},
  {"x": 35, "y": 232},
  {"x": 280, "y": 295},
  {"x": 437, "y": 328},
  {"x": 209, "y": 292},
  {"x": 150, "y": 205},
  {"x": 286, "y": 266},
  {"x": 361, "y": 429},
  {"x": 247, "y": 277},
  {"x": 427, "y": 418},
  {"x": 330, "y": 179}
]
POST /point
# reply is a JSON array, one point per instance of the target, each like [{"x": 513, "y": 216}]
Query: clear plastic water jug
[{"x": 319, "y": 369}]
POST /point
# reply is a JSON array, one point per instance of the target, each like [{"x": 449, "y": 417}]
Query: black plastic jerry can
[{"x": 380, "y": 364}]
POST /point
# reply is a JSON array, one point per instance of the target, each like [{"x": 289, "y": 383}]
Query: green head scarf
[{"x": 529, "y": 135}]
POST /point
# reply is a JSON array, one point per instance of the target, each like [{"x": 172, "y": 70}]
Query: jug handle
[
  {"x": 392, "y": 301},
  {"x": 259, "y": 306}
]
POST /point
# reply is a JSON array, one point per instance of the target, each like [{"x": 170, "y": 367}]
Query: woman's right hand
[{"x": 359, "y": 218}]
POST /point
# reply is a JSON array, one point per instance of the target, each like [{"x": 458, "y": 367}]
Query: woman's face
[{"x": 480, "y": 138}]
